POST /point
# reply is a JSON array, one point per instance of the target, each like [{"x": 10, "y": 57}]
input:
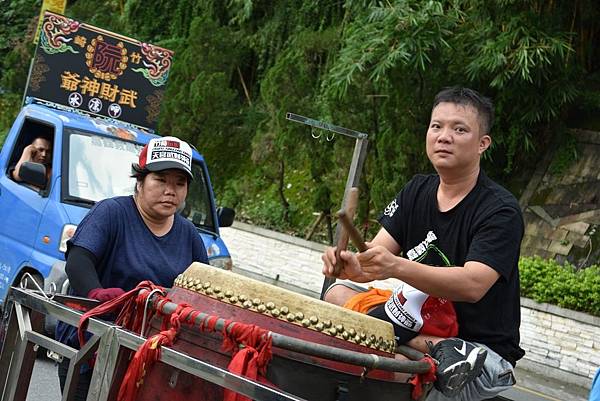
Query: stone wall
[
  {"x": 560, "y": 344},
  {"x": 562, "y": 209}
]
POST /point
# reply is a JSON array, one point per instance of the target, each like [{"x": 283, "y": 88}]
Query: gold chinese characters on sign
[
  {"x": 106, "y": 61},
  {"x": 92, "y": 87}
]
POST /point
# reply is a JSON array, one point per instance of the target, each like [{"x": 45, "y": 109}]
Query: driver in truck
[{"x": 39, "y": 151}]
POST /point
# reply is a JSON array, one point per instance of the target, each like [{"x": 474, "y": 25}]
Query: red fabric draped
[
  {"x": 421, "y": 379},
  {"x": 126, "y": 304},
  {"x": 148, "y": 354},
  {"x": 249, "y": 360}
]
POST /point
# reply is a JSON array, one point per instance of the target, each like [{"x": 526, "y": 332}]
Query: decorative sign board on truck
[{"x": 99, "y": 72}]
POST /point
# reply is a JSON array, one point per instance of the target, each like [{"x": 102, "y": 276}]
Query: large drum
[{"x": 231, "y": 296}]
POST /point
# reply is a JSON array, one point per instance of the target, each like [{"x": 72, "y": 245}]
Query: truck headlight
[
  {"x": 224, "y": 263},
  {"x": 67, "y": 232}
]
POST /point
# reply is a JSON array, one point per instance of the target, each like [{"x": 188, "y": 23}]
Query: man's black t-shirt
[{"x": 487, "y": 227}]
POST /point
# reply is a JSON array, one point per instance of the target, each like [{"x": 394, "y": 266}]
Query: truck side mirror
[
  {"x": 226, "y": 216},
  {"x": 33, "y": 173}
]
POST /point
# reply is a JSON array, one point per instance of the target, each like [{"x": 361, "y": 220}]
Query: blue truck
[
  {"x": 95, "y": 96},
  {"x": 91, "y": 160}
]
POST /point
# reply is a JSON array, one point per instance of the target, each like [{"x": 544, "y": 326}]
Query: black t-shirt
[{"x": 487, "y": 227}]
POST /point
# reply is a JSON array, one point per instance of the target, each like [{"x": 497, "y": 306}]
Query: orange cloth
[{"x": 363, "y": 302}]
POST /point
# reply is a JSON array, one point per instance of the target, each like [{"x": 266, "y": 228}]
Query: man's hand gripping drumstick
[{"x": 334, "y": 261}]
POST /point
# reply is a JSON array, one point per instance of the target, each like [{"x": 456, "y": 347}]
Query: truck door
[{"x": 21, "y": 205}]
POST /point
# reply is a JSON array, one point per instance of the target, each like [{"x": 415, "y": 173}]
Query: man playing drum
[{"x": 461, "y": 235}]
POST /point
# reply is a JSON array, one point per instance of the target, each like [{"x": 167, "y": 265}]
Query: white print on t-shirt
[
  {"x": 421, "y": 248},
  {"x": 391, "y": 208}
]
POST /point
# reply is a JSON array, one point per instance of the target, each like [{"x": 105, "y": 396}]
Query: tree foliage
[{"x": 370, "y": 65}]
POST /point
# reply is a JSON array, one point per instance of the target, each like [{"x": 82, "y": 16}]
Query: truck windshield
[{"x": 99, "y": 167}]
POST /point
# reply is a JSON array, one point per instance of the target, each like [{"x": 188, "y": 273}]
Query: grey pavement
[
  {"x": 44, "y": 384},
  {"x": 532, "y": 387}
]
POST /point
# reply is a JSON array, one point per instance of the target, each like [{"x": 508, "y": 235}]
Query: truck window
[
  {"x": 40, "y": 136},
  {"x": 99, "y": 167},
  {"x": 198, "y": 208}
]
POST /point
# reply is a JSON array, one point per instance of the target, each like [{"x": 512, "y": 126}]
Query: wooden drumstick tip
[{"x": 353, "y": 233}]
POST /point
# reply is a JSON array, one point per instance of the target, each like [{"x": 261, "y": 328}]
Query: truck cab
[{"x": 91, "y": 160}]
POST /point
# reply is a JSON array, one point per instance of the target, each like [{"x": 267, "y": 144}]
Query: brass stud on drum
[
  {"x": 285, "y": 310},
  {"x": 209, "y": 291},
  {"x": 275, "y": 312},
  {"x": 256, "y": 301},
  {"x": 319, "y": 326},
  {"x": 206, "y": 285},
  {"x": 220, "y": 296},
  {"x": 217, "y": 289},
  {"x": 261, "y": 308},
  {"x": 313, "y": 320},
  {"x": 332, "y": 331},
  {"x": 243, "y": 298},
  {"x": 233, "y": 299},
  {"x": 327, "y": 323},
  {"x": 290, "y": 317},
  {"x": 299, "y": 316},
  {"x": 270, "y": 305},
  {"x": 345, "y": 335},
  {"x": 339, "y": 328},
  {"x": 228, "y": 294},
  {"x": 247, "y": 304},
  {"x": 305, "y": 322},
  {"x": 352, "y": 332}
]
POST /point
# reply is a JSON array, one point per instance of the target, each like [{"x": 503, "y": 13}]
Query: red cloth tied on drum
[
  {"x": 148, "y": 354},
  {"x": 251, "y": 359},
  {"x": 421, "y": 379},
  {"x": 130, "y": 315}
]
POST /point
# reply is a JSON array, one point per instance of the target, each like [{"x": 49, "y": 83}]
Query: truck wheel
[{"x": 30, "y": 285}]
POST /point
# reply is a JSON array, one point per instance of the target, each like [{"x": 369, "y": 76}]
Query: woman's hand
[{"x": 105, "y": 294}]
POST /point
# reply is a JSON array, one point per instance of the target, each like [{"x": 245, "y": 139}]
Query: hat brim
[{"x": 167, "y": 165}]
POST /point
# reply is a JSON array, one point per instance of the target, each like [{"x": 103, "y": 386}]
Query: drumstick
[
  {"x": 342, "y": 244},
  {"x": 353, "y": 233}
]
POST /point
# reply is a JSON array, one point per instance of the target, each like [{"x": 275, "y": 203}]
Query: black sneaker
[{"x": 459, "y": 363}]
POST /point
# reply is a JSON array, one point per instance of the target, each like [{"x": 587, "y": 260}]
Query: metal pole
[
  {"x": 358, "y": 160},
  {"x": 326, "y": 126}
]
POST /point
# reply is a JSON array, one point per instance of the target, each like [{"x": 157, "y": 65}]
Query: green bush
[{"x": 563, "y": 285}]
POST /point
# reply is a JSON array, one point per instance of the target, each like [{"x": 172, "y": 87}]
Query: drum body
[{"x": 306, "y": 376}]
